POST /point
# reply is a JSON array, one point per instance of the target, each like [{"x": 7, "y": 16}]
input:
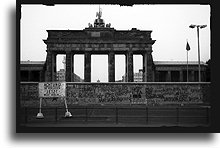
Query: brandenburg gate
[
  {"x": 182, "y": 103},
  {"x": 99, "y": 38}
]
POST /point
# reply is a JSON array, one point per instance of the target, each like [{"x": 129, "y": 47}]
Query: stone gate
[{"x": 99, "y": 39}]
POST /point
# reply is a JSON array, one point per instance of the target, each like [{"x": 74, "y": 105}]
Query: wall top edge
[{"x": 124, "y": 83}]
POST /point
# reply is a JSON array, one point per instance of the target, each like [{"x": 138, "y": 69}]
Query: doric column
[
  {"x": 181, "y": 76},
  {"x": 149, "y": 66},
  {"x": 68, "y": 66},
  {"x": 54, "y": 71},
  {"x": 111, "y": 66},
  {"x": 72, "y": 68},
  {"x": 87, "y": 67},
  {"x": 49, "y": 68},
  {"x": 145, "y": 67},
  {"x": 130, "y": 74},
  {"x": 126, "y": 68}
]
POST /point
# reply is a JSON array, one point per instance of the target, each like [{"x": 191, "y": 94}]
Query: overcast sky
[{"x": 169, "y": 25}]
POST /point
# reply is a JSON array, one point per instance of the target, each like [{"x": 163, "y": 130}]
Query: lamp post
[{"x": 198, "y": 26}]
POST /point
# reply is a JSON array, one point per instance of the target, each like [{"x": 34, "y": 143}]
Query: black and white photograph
[{"x": 110, "y": 66}]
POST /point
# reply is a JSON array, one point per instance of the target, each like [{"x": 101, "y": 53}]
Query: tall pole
[
  {"x": 187, "y": 68},
  {"x": 198, "y": 26},
  {"x": 198, "y": 53}
]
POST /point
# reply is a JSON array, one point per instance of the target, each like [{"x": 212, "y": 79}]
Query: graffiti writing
[{"x": 137, "y": 93}]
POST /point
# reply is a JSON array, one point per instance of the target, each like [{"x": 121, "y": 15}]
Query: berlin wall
[{"x": 148, "y": 93}]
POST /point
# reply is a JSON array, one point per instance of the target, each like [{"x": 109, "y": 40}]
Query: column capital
[
  {"x": 68, "y": 51},
  {"x": 49, "y": 51},
  {"x": 111, "y": 51},
  {"x": 149, "y": 51},
  {"x": 146, "y": 52}
]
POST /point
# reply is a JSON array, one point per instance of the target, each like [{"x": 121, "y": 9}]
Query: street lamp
[{"x": 198, "y": 26}]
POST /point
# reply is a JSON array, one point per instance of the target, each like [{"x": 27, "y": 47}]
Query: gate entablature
[
  {"x": 108, "y": 35},
  {"x": 80, "y": 41}
]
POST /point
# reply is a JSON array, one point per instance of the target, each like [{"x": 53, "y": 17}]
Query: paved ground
[
  {"x": 109, "y": 125},
  {"x": 126, "y": 116}
]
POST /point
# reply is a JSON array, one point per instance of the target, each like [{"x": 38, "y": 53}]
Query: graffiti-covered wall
[
  {"x": 29, "y": 94},
  {"x": 122, "y": 93}
]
